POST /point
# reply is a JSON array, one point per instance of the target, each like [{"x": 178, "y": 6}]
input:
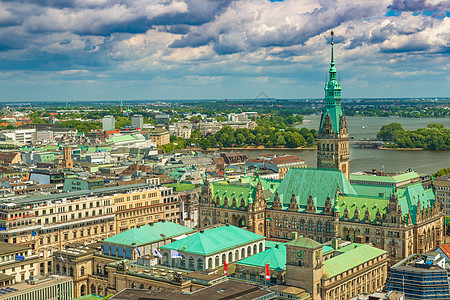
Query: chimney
[
  {"x": 335, "y": 243},
  {"x": 294, "y": 235}
]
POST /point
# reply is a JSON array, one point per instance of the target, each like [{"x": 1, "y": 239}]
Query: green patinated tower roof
[
  {"x": 304, "y": 242},
  {"x": 332, "y": 97}
]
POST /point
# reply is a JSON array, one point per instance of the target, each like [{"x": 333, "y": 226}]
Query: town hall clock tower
[{"x": 333, "y": 139}]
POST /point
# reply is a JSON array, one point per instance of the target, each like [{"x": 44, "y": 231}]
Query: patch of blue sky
[{"x": 393, "y": 13}]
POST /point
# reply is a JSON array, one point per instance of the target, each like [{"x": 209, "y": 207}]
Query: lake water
[{"x": 367, "y": 159}]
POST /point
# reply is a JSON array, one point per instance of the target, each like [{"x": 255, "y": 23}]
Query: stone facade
[{"x": 248, "y": 213}]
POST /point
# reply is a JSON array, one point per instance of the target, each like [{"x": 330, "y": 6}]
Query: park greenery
[
  {"x": 434, "y": 137},
  {"x": 441, "y": 172}
]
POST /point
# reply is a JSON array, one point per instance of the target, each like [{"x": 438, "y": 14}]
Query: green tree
[{"x": 388, "y": 132}]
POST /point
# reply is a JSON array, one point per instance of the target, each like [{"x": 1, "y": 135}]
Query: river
[{"x": 426, "y": 162}]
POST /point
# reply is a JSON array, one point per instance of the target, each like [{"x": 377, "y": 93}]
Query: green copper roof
[
  {"x": 408, "y": 199},
  {"x": 148, "y": 234},
  {"x": 125, "y": 138},
  {"x": 362, "y": 203},
  {"x": 304, "y": 243},
  {"x": 243, "y": 190},
  {"x": 214, "y": 240},
  {"x": 373, "y": 190},
  {"x": 275, "y": 257},
  {"x": 270, "y": 244},
  {"x": 353, "y": 256},
  {"x": 384, "y": 179},
  {"x": 319, "y": 183}
]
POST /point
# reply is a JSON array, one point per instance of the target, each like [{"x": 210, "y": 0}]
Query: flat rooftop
[{"x": 229, "y": 289}]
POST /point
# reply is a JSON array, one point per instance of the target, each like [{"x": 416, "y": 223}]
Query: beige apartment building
[
  {"x": 17, "y": 263},
  {"x": 49, "y": 223},
  {"x": 146, "y": 206},
  {"x": 442, "y": 188}
]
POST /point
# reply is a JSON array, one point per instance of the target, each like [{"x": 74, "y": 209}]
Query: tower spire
[
  {"x": 332, "y": 48},
  {"x": 332, "y": 68}
]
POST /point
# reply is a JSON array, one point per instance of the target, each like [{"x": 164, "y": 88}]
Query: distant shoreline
[{"x": 402, "y": 149}]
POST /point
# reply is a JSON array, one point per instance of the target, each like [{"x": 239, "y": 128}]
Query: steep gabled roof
[{"x": 319, "y": 183}]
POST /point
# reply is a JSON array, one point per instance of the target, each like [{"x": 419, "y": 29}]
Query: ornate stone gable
[
  {"x": 328, "y": 209},
  {"x": 346, "y": 215},
  {"x": 225, "y": 202},
  {"x": 343, "y": 129},
  {"x": 367, "y": 216},
  {"x": 277, "y": 202},
  {"x": 327, "y": 127},
  {"x": 310, "y": 206},
  {"x": 378, "y": 218},
  {"x": 418, "y": 213},
  {"x": 234, "y": 203},
  {"x": 293, "y": 206},
  {"x": 205, "y": 194},
  {"x": 242, "y": 207},
  {"x": 356, "y": 215}
]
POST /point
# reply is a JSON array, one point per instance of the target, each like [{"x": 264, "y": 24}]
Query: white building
[
  {"x": 137, "y": 121},
  {"x": 109, "y": 123},
  {"x": 20, "y": 135}
]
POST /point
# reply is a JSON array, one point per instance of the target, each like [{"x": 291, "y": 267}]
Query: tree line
[{"x": 435, "y": 137}]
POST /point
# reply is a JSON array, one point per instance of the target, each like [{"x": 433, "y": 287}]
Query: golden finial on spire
[{"x": 332, "y": 34}]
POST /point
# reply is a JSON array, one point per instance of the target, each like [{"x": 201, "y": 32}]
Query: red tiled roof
[
  {"x": 219, "y": 161},
  {"x": 446, "y": 249},
  {"x": 285, "y": 159}
]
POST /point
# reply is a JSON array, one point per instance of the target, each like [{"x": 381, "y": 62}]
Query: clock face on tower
[{"x": 299, "y": 254}]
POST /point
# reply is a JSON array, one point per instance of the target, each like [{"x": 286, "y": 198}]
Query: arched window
[
  {"x": 100, "y": 290},
  {"x": 328, "y": 227},
  {"x": 236, "y": 255},
  {"x": 133, "y": 285},
  {"x": 93, "y": 291},
  {"x": 165, "y": 259},
  {"x": 142, "y": 286},
  {"x": 71, "y": 271},
  {"x": 191, "y": 263},
  {"x": 82, "y": 271},
  {"x": 230, "y": 257},
  {"x": 249, "y": 251},
  {"x": 254, "y": 249},
  {"x": 260, "y": 247},
  {"x": 200, "y": 264},
  {"x": 83, "y": 290},
  {"x": 217, "y": 261},
  {"x": 310, "y": 225},
  {"x": 210, "y": 264},
  {"x": 99, "y": 269},
  {"x": 242, "y": 253},
  {"x": 105, "y": 271}
]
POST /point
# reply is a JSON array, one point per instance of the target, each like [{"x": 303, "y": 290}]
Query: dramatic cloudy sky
[{"x": 172, "y": 49}]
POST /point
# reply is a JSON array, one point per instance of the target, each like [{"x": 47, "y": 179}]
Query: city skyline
[{"x": 87, "y": 50}]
